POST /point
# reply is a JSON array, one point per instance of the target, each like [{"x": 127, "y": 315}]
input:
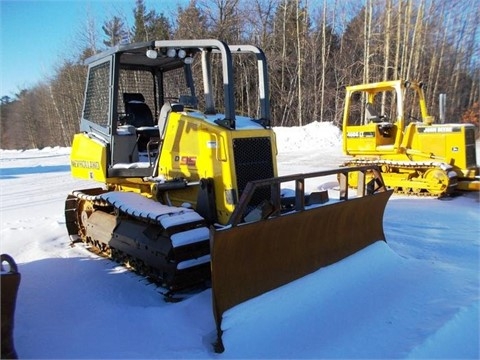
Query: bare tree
[
  {"x": 191, "y": 22},
  {"x": 350, "y": 42},
  {"x": 222, "y": 19}
]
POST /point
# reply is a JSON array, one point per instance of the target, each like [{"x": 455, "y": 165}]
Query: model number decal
[
  {"x": 188, "y": 160},
  {"x": 360, "y": 134}
]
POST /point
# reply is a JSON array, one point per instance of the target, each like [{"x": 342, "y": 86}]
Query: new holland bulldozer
[
  {"x": 416, "y": 156},
  {"x": 189, "y": 190}
]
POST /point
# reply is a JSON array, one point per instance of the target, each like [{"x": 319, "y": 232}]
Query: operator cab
[
  {"x": 371, "y": 119},
  {"x": 130, "y": 92}
]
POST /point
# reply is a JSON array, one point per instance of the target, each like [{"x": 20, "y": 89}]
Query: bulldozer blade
[
  {"x": 469, "y": 185},
  {"x": 254, "y": 258}
]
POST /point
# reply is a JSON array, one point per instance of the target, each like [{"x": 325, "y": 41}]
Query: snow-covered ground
[{"x": 415, "y": 297}]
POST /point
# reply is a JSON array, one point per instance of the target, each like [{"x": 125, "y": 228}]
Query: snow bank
[
  {"x": 311, "y": 137},
  {"x": 416, "y": 296},
  {"x": 451, "y": 341}
]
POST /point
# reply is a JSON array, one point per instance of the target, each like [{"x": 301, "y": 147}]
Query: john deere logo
[{"x": 438, "y": 130}]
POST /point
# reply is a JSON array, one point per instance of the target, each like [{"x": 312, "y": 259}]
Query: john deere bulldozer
[
  {"x": 189, "y": 191},
  {"x": 415, "y": 155}
]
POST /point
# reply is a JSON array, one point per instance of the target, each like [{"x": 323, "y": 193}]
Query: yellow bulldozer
[
  {"x": 190, "y": 193},
  {"x": 415, "y": 155}
]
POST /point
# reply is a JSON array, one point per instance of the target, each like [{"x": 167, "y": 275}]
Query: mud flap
[
  {"x": 254, "y": 258},
  {"x": 9, "y": 285}
]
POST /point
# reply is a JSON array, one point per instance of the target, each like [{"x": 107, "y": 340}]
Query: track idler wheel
[
  {"x": 438, "y": 181},
  {"x": 84, "y": 210}
]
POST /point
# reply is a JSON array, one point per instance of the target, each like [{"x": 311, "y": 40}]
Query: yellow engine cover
[
  {"x": 447, "y": 142},
  {"x": 195, "y": 147}
]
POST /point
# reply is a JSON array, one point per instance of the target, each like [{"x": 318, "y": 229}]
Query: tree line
[{"x": 314, "y": 49}]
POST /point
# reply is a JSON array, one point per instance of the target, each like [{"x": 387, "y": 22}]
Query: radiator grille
[
  {"x": 253, "y": 161},
  {"x": 470, "y": 147}
]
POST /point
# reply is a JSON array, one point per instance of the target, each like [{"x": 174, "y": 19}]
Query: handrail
[{"x": 363, "y": 188}]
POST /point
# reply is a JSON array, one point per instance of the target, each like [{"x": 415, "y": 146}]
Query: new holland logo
[{"x": 85, "y": 164}]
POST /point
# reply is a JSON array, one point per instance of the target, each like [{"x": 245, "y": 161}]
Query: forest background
[{"x": 313, "y": 51}]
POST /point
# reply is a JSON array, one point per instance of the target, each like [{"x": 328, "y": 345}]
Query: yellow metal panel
[
  {"x": 180, "y": 149},
  {"x": 194, "y": 149},
  {"x": 88, "y": 158},
  {"x": 443, "y": 142},
  {"x": 456, "y": 148},
  {"x": 360, "y": 139}
]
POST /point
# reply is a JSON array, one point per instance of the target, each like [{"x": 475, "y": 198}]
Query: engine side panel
[
  {"x": 88, "y": 159},
  {"x": 449, "y": 142},
  {"x": 195, "y": 148}
]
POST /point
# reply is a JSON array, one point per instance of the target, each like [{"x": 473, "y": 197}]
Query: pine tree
[
  {"x": 149, "y": 25},
  {"x": 114, "y": 31}
]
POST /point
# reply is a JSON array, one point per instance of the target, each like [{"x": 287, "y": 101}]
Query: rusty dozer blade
[
  {"x": 10, "y": 282},
  {"x": 249, "y": 259}
]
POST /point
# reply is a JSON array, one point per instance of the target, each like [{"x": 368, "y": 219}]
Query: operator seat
[
  {"x": 139, "y": 115},
  {"x": 371, "y": 114},
  {"x": 137, "y": 112}
]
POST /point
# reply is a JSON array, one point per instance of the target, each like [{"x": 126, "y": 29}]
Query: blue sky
[{"x": 35, "y": 35}]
